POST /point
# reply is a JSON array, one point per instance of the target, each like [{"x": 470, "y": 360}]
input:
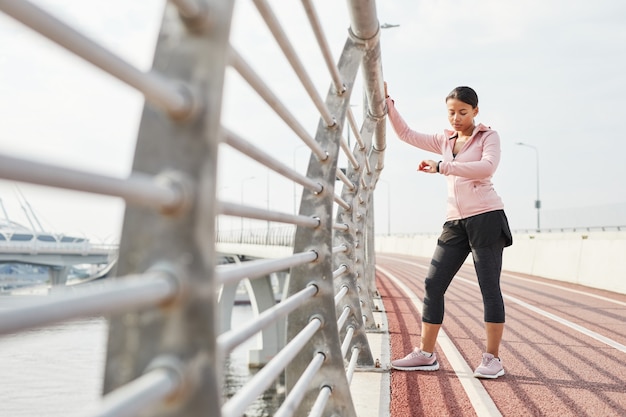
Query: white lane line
[
  {"x": 404, "y": 261},
  {"x": 510, "y": 275},
  {"x": 478, "y": 396},
  {"x": 599, "y": 297},
  {"x": 609, "y": 342}
]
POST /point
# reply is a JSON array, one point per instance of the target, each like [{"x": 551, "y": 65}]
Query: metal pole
[
  {"x": 177, "y": 99},
  {"x": 218, "y": 219},
  {"x": 267, "y": 186},
  {"x": 538, "y": 200},
  {"x": 388, "y": 205},
  {"x": 243, "y": 181}
]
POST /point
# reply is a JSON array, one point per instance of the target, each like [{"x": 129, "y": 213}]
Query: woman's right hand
[{"x": 428, "y": 165}]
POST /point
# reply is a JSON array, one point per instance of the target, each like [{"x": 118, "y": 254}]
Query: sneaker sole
[
  {"x": 432, "y": 367},
  {"x": 479, "y": 375}
]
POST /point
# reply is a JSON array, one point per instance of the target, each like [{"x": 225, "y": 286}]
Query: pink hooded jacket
[{"x": 469, "y": 173}]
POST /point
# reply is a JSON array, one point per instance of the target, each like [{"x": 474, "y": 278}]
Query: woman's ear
[{"x": 475, "y": 111}]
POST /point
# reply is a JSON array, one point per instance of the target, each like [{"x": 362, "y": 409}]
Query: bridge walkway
[{"x": 564, "y": 347}]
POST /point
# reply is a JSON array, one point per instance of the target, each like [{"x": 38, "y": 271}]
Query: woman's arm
[
  {"x": 431, "y": 143},
  {"x": 483, "y": 168}
]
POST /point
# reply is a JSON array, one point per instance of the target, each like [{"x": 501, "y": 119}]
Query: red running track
[{"x": 564, "y": 347}]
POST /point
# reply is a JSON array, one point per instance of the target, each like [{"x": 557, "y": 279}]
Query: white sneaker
[
  {"x": 491, "y": 367},
  {"x": 416, "y": 361}
]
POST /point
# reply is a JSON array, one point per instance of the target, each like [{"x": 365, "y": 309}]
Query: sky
[{"x": 548, "y": 74}]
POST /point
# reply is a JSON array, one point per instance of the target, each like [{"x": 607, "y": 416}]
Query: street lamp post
[
  {"x": 218, "y": 218},
  {"x": 538, "y": 200},
  {"x": 388, "y": 206},
  {"x": 267, "y": 190},
  {"x": 243, "y": 181}
]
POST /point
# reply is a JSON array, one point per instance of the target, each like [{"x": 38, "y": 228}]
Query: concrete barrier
[{"x": 595, "y": 259}]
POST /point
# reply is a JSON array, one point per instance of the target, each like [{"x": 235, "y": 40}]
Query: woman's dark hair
[{"x": 464, "y": 94}]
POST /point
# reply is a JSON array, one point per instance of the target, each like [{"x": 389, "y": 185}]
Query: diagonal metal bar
[
  {"x": 231, "y": 209},
  {"x": 131, "y": 293},
  {"x": 299, "y": 389},
  {"x": 254, "y": 269},
  {"x": 240, "y": 401},
  {"x": 144, "y": 392},
  {"x": 229, "y": 340},
  {"x": 138, "y": 189},
  {"x": 247, "y": 148},
  {"x": 290, "y": 53},
  {"x": 323, "y": 43},
  {"x": 248, "y": 74},
  {"x": 176, "y": 98}
]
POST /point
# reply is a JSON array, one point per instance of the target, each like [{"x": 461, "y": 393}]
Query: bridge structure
[
  {"x": 166, "y": 343},
  {"x": 57, "y": 255}
]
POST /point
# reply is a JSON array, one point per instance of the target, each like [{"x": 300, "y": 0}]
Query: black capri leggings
[{"x": 484, "y": 236}]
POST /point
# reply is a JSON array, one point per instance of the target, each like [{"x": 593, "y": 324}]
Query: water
[
  {"x": 237, "y": 373},
  {"x": 57, "y": 371},
  {"x": 54, "y": 371}
]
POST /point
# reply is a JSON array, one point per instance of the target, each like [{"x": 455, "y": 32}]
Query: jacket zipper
[{"x": 456, "y": 191}]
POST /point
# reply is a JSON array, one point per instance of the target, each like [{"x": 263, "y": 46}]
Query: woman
[{"x": 475, "y": 223}]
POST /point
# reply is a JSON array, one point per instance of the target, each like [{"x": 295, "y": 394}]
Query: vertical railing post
[
  {"x": 369, "y": 253},
  {"x": 363, "y": 213},
  {"x": 353, "y": 279},
  {"x": 365, "y": 28},
  {"x": 320, "y": 273},
  {"x": 195, "y": 54}
]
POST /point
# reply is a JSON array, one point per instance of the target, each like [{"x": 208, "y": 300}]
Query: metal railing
[{"x": 165, "y": 351}]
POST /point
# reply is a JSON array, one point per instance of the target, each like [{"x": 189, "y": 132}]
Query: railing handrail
[{"x": 167, "y": 273}]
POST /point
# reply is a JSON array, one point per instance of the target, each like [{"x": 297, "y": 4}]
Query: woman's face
[{"x": 461, "y": 115}]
